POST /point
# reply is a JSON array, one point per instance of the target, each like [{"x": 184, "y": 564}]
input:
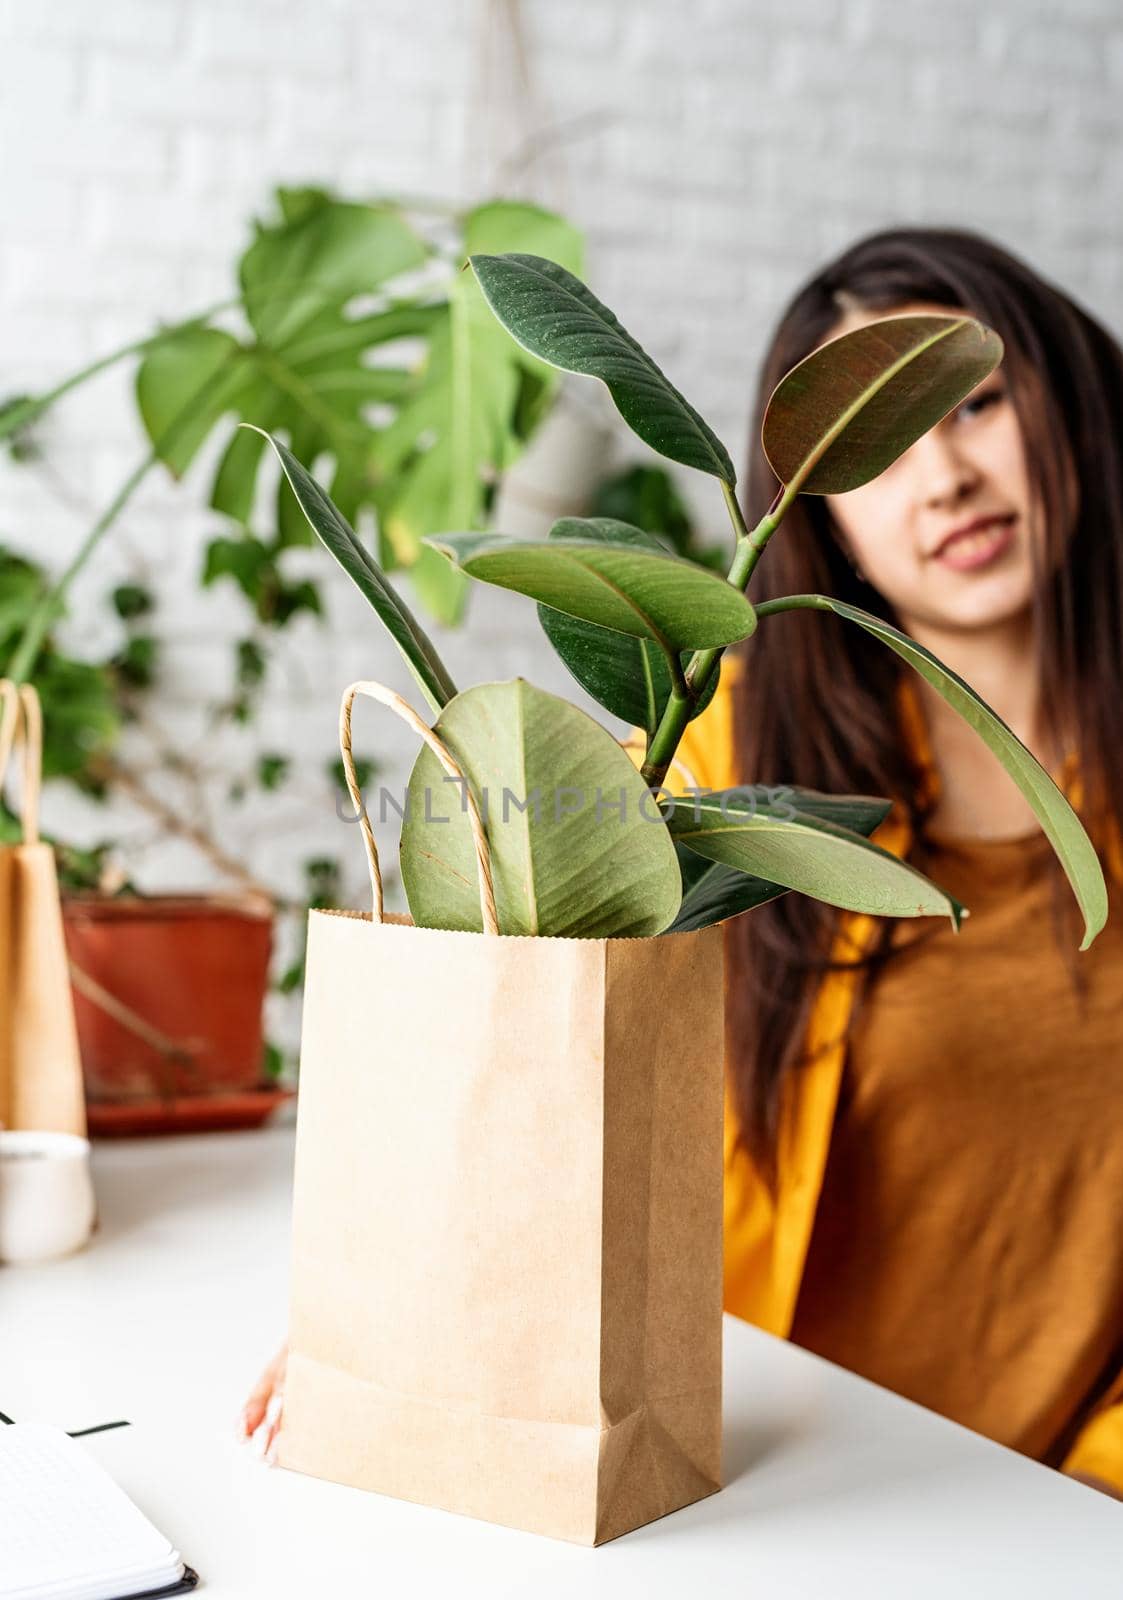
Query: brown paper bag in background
[
  {"x": 507, "y": 1249},
  {"x": 40, "y": 1069}
]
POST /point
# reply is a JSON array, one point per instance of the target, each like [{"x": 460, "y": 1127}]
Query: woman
[
  {"x": 924, "y": 1162},
  {"x": 925, "y": 1131}
]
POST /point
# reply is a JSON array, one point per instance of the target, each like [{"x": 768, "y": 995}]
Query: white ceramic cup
[{"x": 46, "y": 1195}]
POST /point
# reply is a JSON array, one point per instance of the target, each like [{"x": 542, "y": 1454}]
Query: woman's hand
[{"x": 260, "y": 1418}]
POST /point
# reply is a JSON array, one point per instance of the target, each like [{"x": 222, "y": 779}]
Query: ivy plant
[
  {"x": 81, "y": 709},
  {"x": 644, "y": 630}
]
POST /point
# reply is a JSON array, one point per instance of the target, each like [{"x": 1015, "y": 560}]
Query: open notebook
[{"x": 67, "y": 1532}]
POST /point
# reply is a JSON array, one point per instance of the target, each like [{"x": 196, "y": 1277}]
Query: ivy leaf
[
  {"x": 272, "y": 770},
  {"x": 245, "y": 559},
  {"x": 249, "y": 663},
  {"x": 136, "y": 662},
  {"x": 132, "y": 600},
  {"x": 364, "y": 772}
]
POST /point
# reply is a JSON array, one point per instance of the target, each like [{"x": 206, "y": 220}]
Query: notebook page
[{"x": 67, "y": 1532}]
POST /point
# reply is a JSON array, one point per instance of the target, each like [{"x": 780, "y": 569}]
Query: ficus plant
[{"x": 643, "y": 631}]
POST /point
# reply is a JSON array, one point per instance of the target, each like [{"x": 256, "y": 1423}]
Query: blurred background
[{"x": 695, "y": 161}]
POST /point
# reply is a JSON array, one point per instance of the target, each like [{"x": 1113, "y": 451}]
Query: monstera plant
[
  {"x": 352, "y": 334},
  {"x": 582, "y": 843}
]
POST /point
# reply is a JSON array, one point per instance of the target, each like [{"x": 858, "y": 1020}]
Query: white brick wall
[{"x": 714, "y": 152}]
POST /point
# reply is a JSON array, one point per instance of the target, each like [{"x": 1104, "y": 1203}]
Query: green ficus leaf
[
  {"x": 553, "y": 315},
  {"x": 578, "y": 848},
  {"x": 815, "y": 855},
  {"x": 853, "y": 406},
  {"x": 713, "y": 892},
  {"x": 336, "y": 534},
  {"x": 628, "y": 676},
  {"x": 1058, "y": 820},
  {"x": 644, "y": 592}
]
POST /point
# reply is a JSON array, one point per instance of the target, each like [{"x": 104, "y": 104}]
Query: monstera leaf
[
  {"x": 854, "y": 405},
  {"x": 557, "y": 318},
  {"x": 302, "y": 370},
  {"x": 628, "y": 676},
  {"x": 578, "y": 847},
  {"x": 402, "y": 381},
  {"x": 1059, "y": 822},
  {"x": 468, "y": 420},
  {"x": 815, "y": 855}
]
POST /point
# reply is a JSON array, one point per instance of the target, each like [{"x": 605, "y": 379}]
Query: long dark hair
[{"x": 816, "y": 704}]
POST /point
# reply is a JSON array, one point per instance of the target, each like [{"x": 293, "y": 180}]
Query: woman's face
[{"x": 945, "y": 534}]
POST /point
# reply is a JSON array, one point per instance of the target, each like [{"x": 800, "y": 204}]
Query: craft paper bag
[
  {"x": 40, "y": 1069},
  {"x": 507, "y": 1245}
]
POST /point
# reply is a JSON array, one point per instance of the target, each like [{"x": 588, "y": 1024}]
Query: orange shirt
[{"x": 967, "y": 1250}]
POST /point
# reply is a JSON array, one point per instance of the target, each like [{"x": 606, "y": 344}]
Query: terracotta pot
[{"x": 168, "y": 995}]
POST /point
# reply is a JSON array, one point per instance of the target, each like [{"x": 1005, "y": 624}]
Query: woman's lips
[{"x": 969, "y": 551}]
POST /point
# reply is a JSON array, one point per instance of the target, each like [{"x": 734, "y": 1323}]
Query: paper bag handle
[
  {"x": 387, "y": 697},
  {"x": 28, "y": 726}
]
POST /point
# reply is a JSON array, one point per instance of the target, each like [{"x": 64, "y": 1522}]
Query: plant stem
[
  {"x": 24, "y": 412},
  {"x": 736, "y": 516},
  {"x": 49, "y": 608},
  {"x": 703, "y": 663},
  {"x": 744, "y": 563},
  {"x": 665, "y": 740},
  {"x": 794, "y": 602},
  {"x": 29, "y": 410},
  {"x": 679, "y": 685},
  {"x": 172, "y": 822}
]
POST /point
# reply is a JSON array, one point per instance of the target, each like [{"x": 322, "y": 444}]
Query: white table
[{"x": 835, "y": 1488}]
